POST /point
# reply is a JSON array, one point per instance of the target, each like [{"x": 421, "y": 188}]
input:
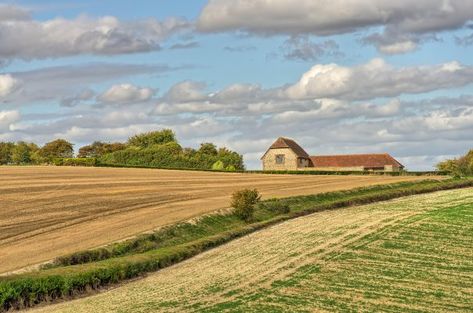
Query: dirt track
[{"x": 50, "y": 211}]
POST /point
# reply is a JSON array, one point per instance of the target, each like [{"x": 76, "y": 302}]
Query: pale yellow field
[
  {"x": 408, "y": 255},
  {"x": 46, "y": 212}
]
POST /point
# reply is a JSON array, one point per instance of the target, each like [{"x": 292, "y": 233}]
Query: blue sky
[{"x": 381, "y": 77}]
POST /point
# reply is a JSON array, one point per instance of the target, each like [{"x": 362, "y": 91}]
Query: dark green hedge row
[
  {"x": 26, "y": 290},
  {"x": 75, "y": 162},
  {"x": 172, "y": 156}
]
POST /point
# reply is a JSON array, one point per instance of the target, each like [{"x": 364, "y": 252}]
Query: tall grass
[{"x": 85, "y": 271}]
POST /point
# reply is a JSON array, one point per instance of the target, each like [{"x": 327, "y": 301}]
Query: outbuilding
[{"x": 285, "y": 154}]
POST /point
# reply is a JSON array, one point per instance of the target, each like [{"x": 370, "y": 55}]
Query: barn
[{"x": 286, "y": 154}]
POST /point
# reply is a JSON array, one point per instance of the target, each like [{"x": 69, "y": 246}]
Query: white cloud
[
  {"x": 10, "y": 13},
  {"x": 7, "y": 119},
  {"x": 377, "y": 79},
  {"x": 7, "y": 85},
  {"x": 186, "y": 91},
  {"x": 398, "y": 47},
  {"x": 126, "y": 93},
  {"x": 402, "y": 17},
  {"x": 25, "y": 38},
  {"x": 323, "y": 82}
]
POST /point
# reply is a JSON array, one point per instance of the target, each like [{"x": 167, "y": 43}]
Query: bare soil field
[
  {"x": 407, "y": 255},
  {"x": 46, "y": 212}
]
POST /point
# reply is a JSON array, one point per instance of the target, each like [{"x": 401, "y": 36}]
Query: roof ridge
[{"x": 327, "y": 155}]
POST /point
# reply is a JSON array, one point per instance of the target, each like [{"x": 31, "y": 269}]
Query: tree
[
  {"x": 98, "y": 148},
  {"x": 244, "y": 202},
  {"x": 5, "y": 152},
  {"x": 231, "y": 158},
  {"x": 208, "y": 148},
  {"x": 462, "y": 166},
  {"x": 149, "y": 139},
  {"x": 21, "y": 153},
  {"x": 58, "y": 148}
]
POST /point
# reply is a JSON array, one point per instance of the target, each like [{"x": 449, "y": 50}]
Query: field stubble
[{"x": 46, "y": 212}]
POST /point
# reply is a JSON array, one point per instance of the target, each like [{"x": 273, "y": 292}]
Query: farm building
[{"x": 285, "y": 154}]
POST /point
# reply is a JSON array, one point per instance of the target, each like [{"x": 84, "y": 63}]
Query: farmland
[
  {"x": 411, "y": 254},
  {"x": 50, "y": 211}
]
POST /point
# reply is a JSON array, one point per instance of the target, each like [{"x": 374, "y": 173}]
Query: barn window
[{"x": 280, "y": 159}]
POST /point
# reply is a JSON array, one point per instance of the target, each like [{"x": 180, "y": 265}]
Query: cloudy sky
[{"x": 339, "y": 76}]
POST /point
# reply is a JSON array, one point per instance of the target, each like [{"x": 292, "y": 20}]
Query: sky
[{"x": 338, "y": 76}]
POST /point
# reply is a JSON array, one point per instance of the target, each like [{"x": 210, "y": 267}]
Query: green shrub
[
  {"x": 218, "y": 166},
  {"x": 230, "y": 168},
  {"x": 243, "y": 202},
  {"x": 276, "y": 206},
  {"x": 462, "y": 166},
  {"x": 80, "y": 162}
]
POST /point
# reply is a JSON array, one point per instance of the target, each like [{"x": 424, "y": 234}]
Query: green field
[{"x": 412, "y": 254}]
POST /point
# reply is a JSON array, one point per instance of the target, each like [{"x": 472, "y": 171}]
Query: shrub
[
  {"x": 243, "y": 202},
  {"x": 218, "y": 166},
  {"x": 462, "y": 166},
  {"x": 230, "y": 168},
  {"x": 79, "y": 162},
  {"x": 276, "y": 206}
]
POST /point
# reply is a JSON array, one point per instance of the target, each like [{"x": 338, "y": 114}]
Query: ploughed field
[
  {"x": 412, "y": 254},
  {"x": 47, "y": 212}
]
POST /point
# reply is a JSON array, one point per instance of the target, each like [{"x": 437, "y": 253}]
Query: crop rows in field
[
  {"x": 408, "y": 255},
  {"x": 47, "y": 212}
]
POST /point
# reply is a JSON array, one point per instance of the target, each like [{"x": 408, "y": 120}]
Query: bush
[
  {"x": 80, "y": 162},
  {"x": 276, "y": 206},
  {"x": 462, "y": 166},
  {"x": 218, "y": 166},
  {"x": 243, "y": 202},
  {"x": 230, "y": 168}
]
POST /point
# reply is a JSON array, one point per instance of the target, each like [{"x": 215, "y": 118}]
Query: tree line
[{"x": 153, "y": 149}]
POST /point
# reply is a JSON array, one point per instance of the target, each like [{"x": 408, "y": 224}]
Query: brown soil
[{"x": 46, "y": 212}]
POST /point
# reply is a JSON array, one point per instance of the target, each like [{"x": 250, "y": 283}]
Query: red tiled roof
[
  {"x": 282, "y": 142},
  {"x": 355, "y": 160}
]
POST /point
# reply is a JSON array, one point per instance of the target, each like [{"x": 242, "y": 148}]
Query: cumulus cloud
[
  {"x": 10, "y": 13},
  {"x": 7, "y": 119},
  {"x": 186, "y": 91},
  {"x": 369, "y": 81},
  {"x": 323, "y": 18},
  {"x": 377, "y": 79},
  {"x": 125, "y": 94},
  {"x": 7, "y": 85},
  {"x": 22, "y": 37}
]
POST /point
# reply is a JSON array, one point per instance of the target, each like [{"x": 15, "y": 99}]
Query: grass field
[
  {"x": 407, "y": 255},
  {"x": 46, "y": 212}
]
